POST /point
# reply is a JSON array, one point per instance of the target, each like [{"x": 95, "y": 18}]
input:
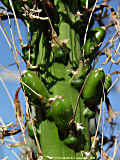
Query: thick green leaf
[{"x": 50, "y": 143}]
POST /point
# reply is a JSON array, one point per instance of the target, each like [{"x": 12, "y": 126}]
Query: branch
[
  {"x": 4, "y": 14},
  {"x": 5, "y": 133}
]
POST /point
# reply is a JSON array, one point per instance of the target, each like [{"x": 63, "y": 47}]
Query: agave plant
[{"x": 62, "y": 86}]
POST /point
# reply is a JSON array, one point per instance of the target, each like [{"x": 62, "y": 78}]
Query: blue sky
[{"x": 7, "y": 109}]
